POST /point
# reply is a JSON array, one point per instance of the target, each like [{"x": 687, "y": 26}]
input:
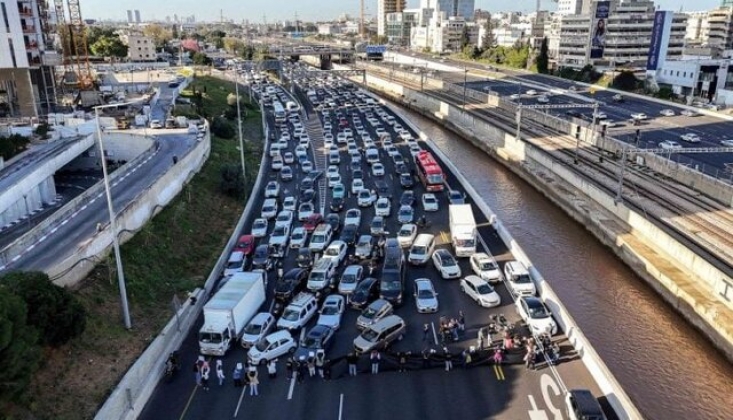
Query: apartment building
[
  {"x": 719, "y": 29},
  {"x": 452, "y": 8},
  {"x": 27, "y": 57},
  {"x": 626, "y": 39},
  {"x": 448, "y": 34},
  {"x": 399, "y": 25},
  {"x": 139, "y": 47},
  {"x": 383, "y": 8}
]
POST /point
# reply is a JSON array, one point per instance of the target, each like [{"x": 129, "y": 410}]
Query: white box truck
[
  {"x": 231, "y": 308},
  {"x": 462, "y": 229}
]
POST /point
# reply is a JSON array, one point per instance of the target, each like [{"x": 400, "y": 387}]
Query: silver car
[
  {"x": 350, "y": 278},
  {"x": 376, "y": 310},
  {"x": 364, "y": 247},
  {"x": 426, "y": 299}
]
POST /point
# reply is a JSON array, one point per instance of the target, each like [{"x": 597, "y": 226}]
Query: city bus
[
  {"x": 279, "y": 112},
  {"x": 429, "y": 172}
]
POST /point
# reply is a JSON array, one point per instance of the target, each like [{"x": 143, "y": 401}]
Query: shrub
[{"x": 222, "y": 128}]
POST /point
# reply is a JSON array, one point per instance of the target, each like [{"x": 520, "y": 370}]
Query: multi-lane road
[{"x": 510, "y": 392}]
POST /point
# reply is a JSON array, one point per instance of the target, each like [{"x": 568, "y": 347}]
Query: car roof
[
  {"x": 423, "y": 282},
  {"x": 532, "y": 301},
  {"x": 277, "y": 335},
  {"x": 379, "y": 303},
  {"x": 333, "y": 299},
  {"x": 319, "y": 330},
  {"x": 481, "y": 256},
  {"x": 261, "y": 317},
  {"x": 352, "y": 268},
  {"x": 474, "y": 279}
]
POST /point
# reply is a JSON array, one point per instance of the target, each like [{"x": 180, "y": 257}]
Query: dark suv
[{"x": 292, "y": 282}]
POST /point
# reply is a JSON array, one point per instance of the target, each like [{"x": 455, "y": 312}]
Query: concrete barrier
[
  {"x": 691, "y": 284},
  {"x": 132, "y": 393},
  {"x": 615, "y": 394}
]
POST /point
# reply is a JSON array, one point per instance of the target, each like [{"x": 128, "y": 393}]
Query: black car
[
  {"x": 357, "y": 174},
  {"x": 307, "y": 196},
  {"x": 334, "y": 220},
  {"x": 366, "y": 291},
  {"x": 337, "y": 204},
  {"x": 306, "y": 183},
  {"x": 406, "y": 181},
  {"x": 305, "y": 258},
  {"x": 383, "y": 190},
  {"x": 575, "y": 114},
  {"x": 261, "y": 257},
  {"x": 407, "y": 198},
  {"x": 348, "y": 234},
  {"x": 401, "y": 168},
  {"x": 292, "y": 282},
  {"x": 318, "y": 338}
]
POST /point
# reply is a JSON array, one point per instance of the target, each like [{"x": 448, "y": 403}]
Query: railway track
[{"x": 688, "y": 213}]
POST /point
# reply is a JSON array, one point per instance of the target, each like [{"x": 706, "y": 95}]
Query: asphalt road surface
[{"x": 477, "y": 392}]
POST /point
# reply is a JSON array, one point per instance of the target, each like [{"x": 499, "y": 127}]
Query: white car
[
  {"x": 288, "y": 158},
  {"x": 279, "y": 236},
  {"x": 689, "y": 113},
  {"x": 365, "y": 198},
  {"x": 259, "y": 228},
  {"x": 290, "y": 203},
  {"x": 383, "y": 207},
  {"x": 277, "y": 162},
  {"x": 534, "y": 312},
  {"x": 257, "y": 328},
  {"x": 356, "y": 186},
  {"x": 269, "y": 208},
  {"x": 331, "y": 311},
  {"x": 332, "y": 169},
  {"x": 480, "y": 291},
  {"x": 272, "y": 189},
  {"x": 515, "y": 96},
  {"x": 406, "y": 235},
  {"x": 446, "y": 264},
  {"x": 485, "y": 266},
  {"x": 336, "y": 251},
  {"x": 667, "y": 113},
  {"x": 426, "y": 299},
  {"x": 334, "y": 179},
  {"x": 639, "y": 116},
  {"x": 531, "y": 92},
  {"x": 271, "y": 347},
  {"x": 298, "y": 237},
  {"x": 284, "y": 218},
  {"x": 429, "y": 202},
  {"x": 156, "y": 124},
  {"x": 727, "y": 143},
  {"x": 305, "y": 210},
  {"x": 543, "y": 99},
  {"x": 306, "y": 167},
  {"x": 300, "y": 151},
  {"x": 670, "y": 145},
  {"x": 690, "y": 138},
  {"x": 405, "y": 214},
  {"x": 378, "y": 169},
  {"x": 601, "y": 116},
  {"x": 353, "y": 217}
]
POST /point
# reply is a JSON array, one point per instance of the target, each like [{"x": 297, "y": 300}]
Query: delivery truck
[
  {"x": 231, "y": 308},
  {"x": 462, "y": 229}
]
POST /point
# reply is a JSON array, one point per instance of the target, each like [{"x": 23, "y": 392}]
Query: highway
[
  {"x": 655, "y": 129},
  {"x": 65, "y": 236},
  {"x": 509, "y": 392}
]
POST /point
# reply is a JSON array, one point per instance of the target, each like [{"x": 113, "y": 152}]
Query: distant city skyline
[{"x": 309, "y": 10}]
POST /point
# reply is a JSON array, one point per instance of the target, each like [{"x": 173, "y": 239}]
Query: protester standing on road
[
  {"x": 402, "y": 360},
  {"x": 302, "y": 369},
  {"x": 205, "y": 371},
  {"x": 320, "y": 360},
  {"x": 448, "y": 359},
  {"x": 480, "y": 339},
  {"x": 311, "y": 364},
  {"x": 272, "y": 368},
  {"x": 498, "y": 355},
  {"x": 197, "y": 370},
  {"x": 220, "y": 372},
  {"x": 237, "y": 375},
  {"x": 425, "y": 332},
  {"x": 352, "y": 359},
  {"x": 461, "y": 321},
  {"x": 253, "y": 381},
  {"x": 375, "y": 357}
]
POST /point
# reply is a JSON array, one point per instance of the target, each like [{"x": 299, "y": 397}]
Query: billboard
[
  {"x": 376, "y": 49},
  {"x": 660, "y": 39},
  {"x": 598, "y": 30}
]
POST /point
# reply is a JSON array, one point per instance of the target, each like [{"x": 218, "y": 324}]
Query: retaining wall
[
  {"x": 132, "y": 393},
  {"x": 689, "y": 283}
]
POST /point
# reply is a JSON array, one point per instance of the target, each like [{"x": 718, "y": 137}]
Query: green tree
[
  {"x": 201, "y": 59},
  {"x": 19, "y": 352},
  {"x": 158, "y": 33},
  {"x": 625, "y": 80},
  {"x": 52, "y": 310},
  {"x": 488, "y": 41},
  {"x": 517, "y": 56},
  {"x": 222, "y": 128},
  {"x": 109, "y": 46},
  {"x": 665, "y": 92},
  {"x": 543, "y": 59},
  {"x": 13, "y": 145},
  {"x": 232, "y": 181}
]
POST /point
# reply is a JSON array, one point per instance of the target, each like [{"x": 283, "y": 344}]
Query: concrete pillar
[{"x": 47, "y": 190}]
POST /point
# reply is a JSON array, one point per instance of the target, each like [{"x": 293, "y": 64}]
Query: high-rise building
[
  {"x": 384, "y": 7},
  {"x": 27, "y": 58},
  {"x": 451, "y": 8},
  {"x": 569, "y": 7},
  {"x": 129, "y": 17},
  {"x": 137, "y": 17}
]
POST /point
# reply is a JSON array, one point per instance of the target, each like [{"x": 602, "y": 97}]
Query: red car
[
  {"x": 246, "y": 244},
  {"x": 314, "y": 220}
]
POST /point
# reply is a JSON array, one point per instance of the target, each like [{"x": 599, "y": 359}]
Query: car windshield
[
  {"x": 214, "y": 338},
  {"x": 316, "y": 276},
  {"x": 319, "y": 238},
  {"x": 523, "y": 279},
  {"x": 290, "y": 315},
  {"x": 484, "y": 289},
  {"x": 369, "y": 313},
  {"x": 418, "y": 250},
  {"x": 405, "y": 232},
  {"x": 390, "y": 286},
  {"x": 429, "y": 200},
  {"x": 311, "y": 342},
  {"x": 447, "y": 260},
  {"x": 330, "y": 310},
  {"x": 283, "y": 218},
  {"x": 253, "y": 329},
  {"x": 298, "y": 234},
  {"x": 377, "y": 223},
  {"x": 405, "y": 212},
  {"x": 424, "y": 294},
  {"x": 332, "y": 252},
  {"x": 261, "y": 253},
  {"x": 487, "y": 265},
  {"x": 262, "y": 345},
  {"x": 259, "y": 224},
  {"x": 369, "y": 335},
  {"x": 348, "y": 278},
  {"x": 538, "y": 312}
]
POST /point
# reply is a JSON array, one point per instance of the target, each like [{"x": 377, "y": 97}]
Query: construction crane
[
  {"x": 361, "y": 21},
  {"x": 77, "y": 70}
]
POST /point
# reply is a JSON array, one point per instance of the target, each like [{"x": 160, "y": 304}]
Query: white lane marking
[
  {"x": 54, "y": 230},
  {"x": 435, "y": 335},
  {"x": 272, "y": 305},
  {"x": 546, "y": 382},
  {"x": 341, "y": 407},
  {"x": 42, "y": 238},
  {"x": 15, "y": 258},
  {"x": 239, "y": 403},
  {"x": 536, "y": 413},
  {"x": 66, "y": 221},
  {"x": 292, "y": 385},
  {"x": 30, "y": 248},
  {"x": 84, "y": 207}
]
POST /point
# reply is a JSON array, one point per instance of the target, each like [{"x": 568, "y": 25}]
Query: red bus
[{"x": 430, "y": 173}]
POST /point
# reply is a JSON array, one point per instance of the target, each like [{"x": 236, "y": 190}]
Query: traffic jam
[{"x": 363, "y": 241}]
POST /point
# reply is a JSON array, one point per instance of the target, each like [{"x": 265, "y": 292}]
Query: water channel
[{"x": 664, "y": 364}]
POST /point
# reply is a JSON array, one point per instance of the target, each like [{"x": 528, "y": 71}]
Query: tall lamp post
[
  {"x": 465, "y": 81},
  {"x": 239, "y": 126},
  {"x": 113, "y": 220}
]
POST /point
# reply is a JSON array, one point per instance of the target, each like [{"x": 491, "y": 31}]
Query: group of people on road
[
  {"x": 313, "y": 365},
  {"x": 240, "y": 374},
  {"x": 451, "y": 329},
  {"x": 536, "y": 351}
]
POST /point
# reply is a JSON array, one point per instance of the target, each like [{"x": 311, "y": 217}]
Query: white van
[
  {"x": 322, "y": 275},
  {"x": 334, "y": 158},
  {"x": 421, "y": 249},
  {"x": 519, "y": 282},
  {"x": 320, "y": 238},
  {"x": 372, "y": 155}
]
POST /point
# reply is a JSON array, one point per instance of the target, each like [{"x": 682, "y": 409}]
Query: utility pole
[
  {"x": 620, "y": 189},
  {"x": 519, "y": 122},
  {"x": 465, "y": 81},
  {"x": 361, "y": 22}
]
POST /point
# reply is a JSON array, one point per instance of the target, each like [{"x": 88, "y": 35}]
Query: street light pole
[
  {"x": 113, "y": 225},
  {"x": 239, "y": 126},
  {"x": 519, "y": 123},
  {"x": 465, "y": 80}
]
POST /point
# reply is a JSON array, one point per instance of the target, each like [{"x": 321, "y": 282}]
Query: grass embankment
[{"x": 173, "y": 254}]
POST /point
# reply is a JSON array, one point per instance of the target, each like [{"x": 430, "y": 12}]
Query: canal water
[{"x": 667, "y": 368}]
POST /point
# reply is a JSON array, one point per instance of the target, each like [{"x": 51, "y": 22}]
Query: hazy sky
[{"x": 306, "y": 9}]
